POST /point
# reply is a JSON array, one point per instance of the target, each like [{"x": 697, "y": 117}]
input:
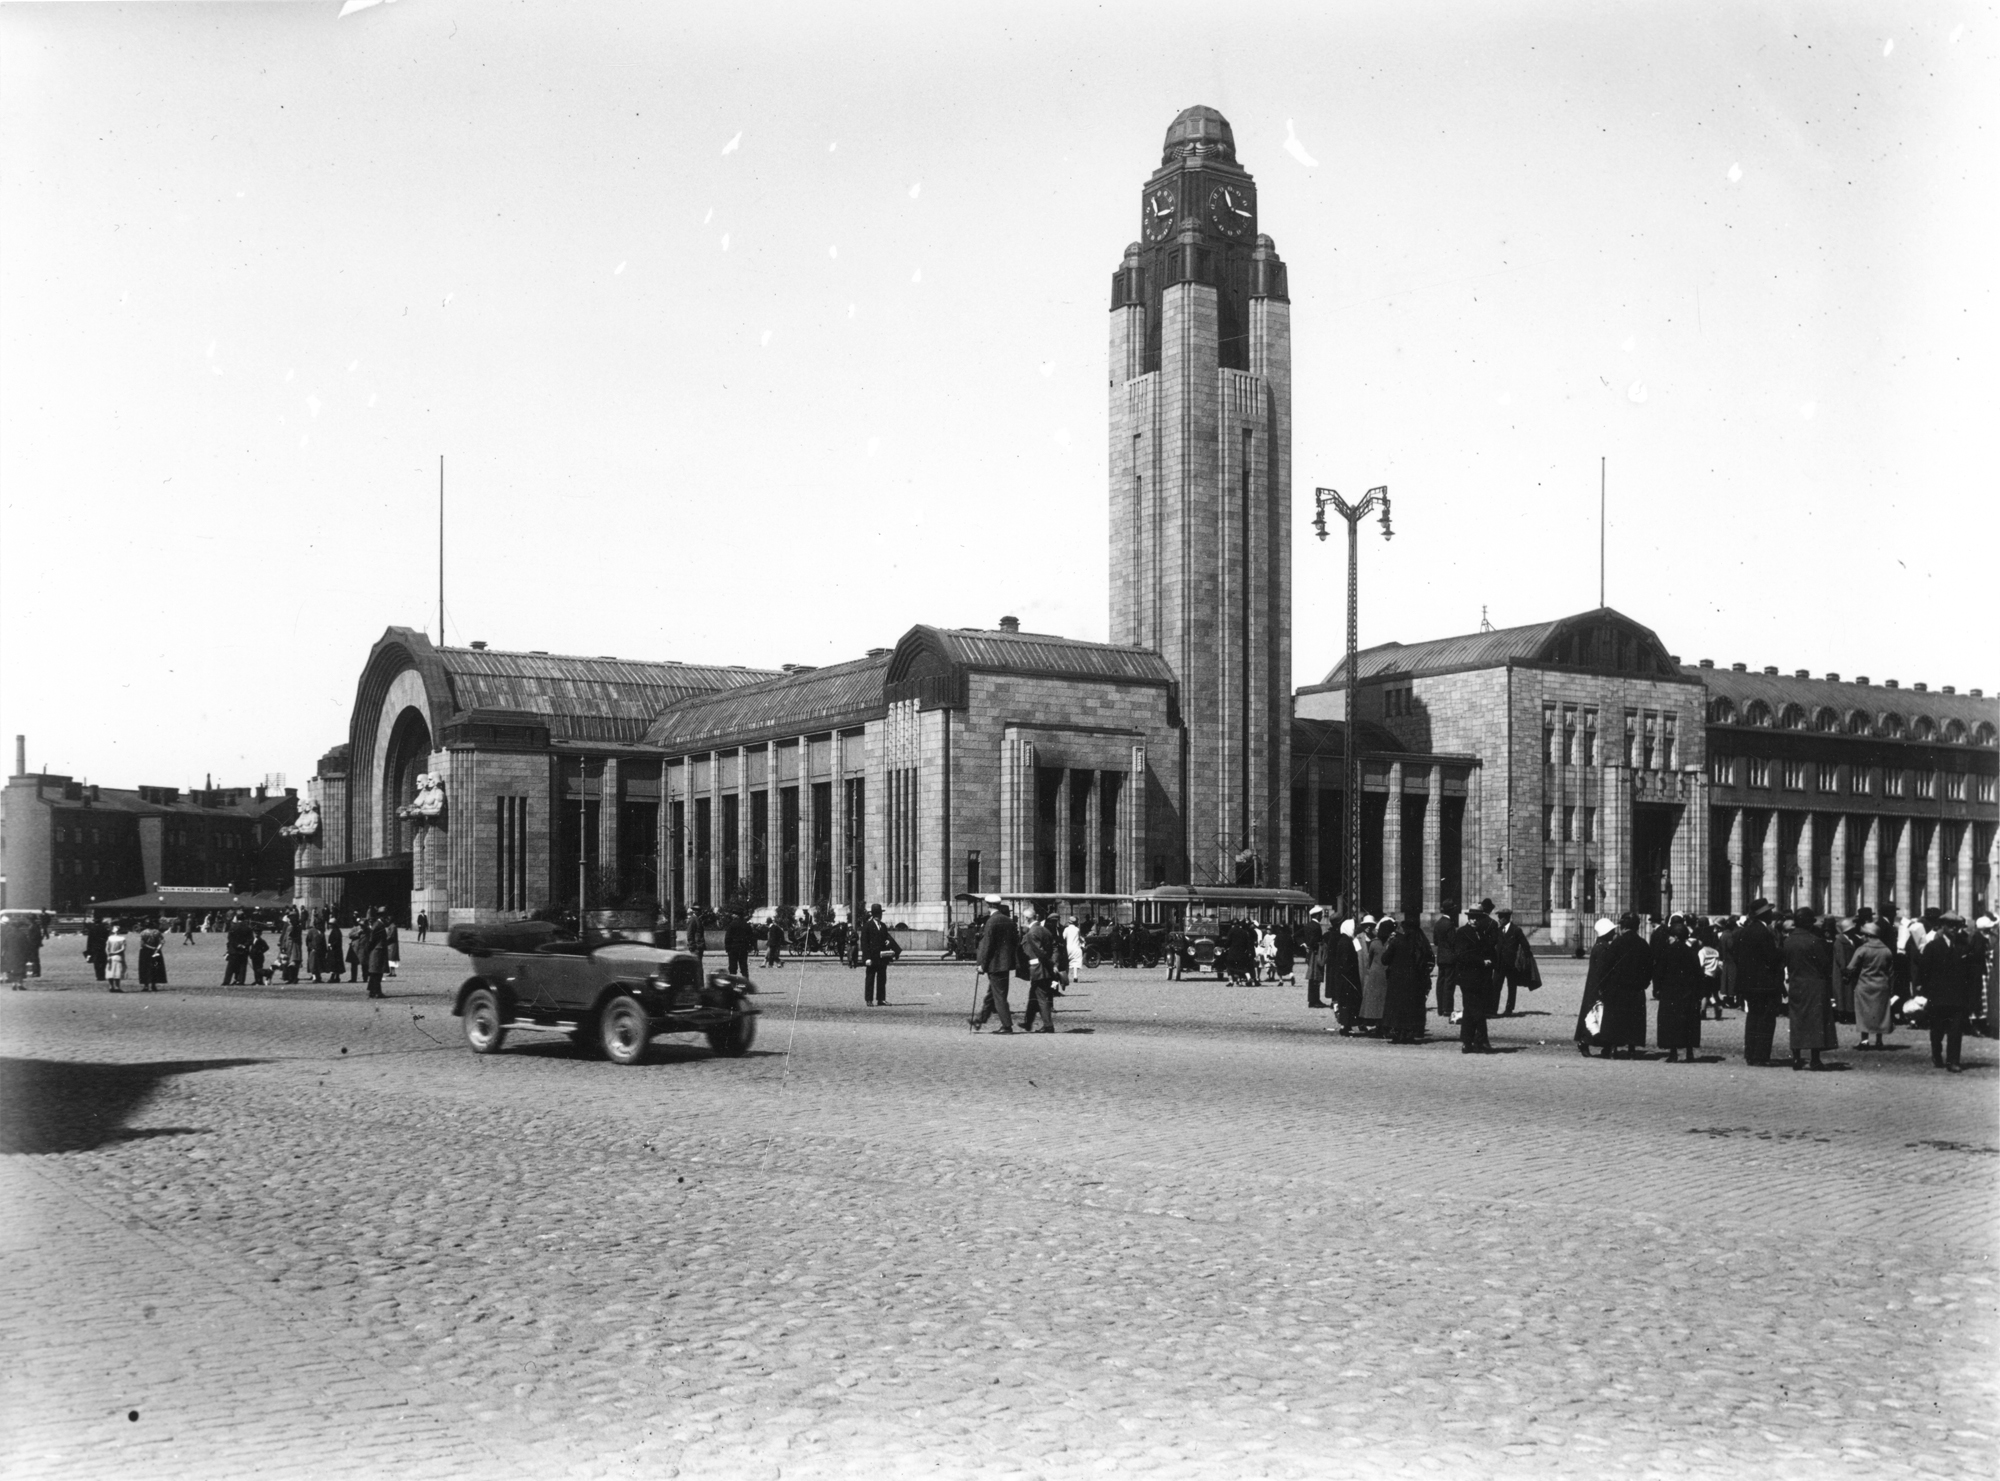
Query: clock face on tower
[
  {"x": 1158, "y": 212},
  {"x": 1229, "y": 210}
]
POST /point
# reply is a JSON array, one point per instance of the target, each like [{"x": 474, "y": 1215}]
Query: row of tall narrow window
[
  {"x": 1862, "y": 781},
  {"x": 1569, "y": 736}
]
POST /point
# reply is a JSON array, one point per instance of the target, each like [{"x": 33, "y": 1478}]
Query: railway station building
[{"x": 1568, "y": 768}]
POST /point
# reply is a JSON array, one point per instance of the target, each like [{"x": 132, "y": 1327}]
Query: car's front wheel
[
  {"x": 623, "y": 1031},
  {"x": 734, "y": 1040},
  {"x": 484, "y": 1030}
]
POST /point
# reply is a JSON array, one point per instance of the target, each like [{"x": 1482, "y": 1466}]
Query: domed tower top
[{"x": 1199, "y": 133}]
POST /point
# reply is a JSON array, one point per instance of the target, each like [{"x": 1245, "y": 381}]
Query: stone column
[
  {"x": 1836, "y": 867},
  {"x": 1803, "y": 857},
  {"x": 1433, "y": 841},
  {"x": 607, "y": 819},
  {"x": 803, "y": 868},
  {"x": 1774, "y": 879},
  {"x": 1962, "y": 900},
  {"x": 1062, "y": 840},
  {"x": 1132, "y": 835},
  {"x": 1934, "y": 867},
  {"x": 1392, "y": 843},
  {"x": 1871, "y": 862},
  {"x": 1905, "y": 897},
  {"x": 1734, "y": 849},
  {"x": 1093, "y": 833}
]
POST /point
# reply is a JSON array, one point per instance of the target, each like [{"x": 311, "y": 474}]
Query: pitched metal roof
[
  {"x": 1542, "y": 642},
  {"x": 802, "y": 703},
  {"x": 1038, "y": 653},
  {"x": 605, "y": 699}
]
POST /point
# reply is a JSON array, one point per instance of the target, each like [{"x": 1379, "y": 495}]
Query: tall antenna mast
[
  {"x": 1600, "y": 530},
  {"x": 440, "y": 550}
]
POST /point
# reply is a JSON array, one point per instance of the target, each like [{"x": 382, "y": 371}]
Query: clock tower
[{"x": 1201, "y": 495}]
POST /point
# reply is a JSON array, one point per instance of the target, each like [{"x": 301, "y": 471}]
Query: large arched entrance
[{"x": 406, "y": 757}]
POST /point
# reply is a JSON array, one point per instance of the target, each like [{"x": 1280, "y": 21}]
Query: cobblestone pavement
[{"x": 294, "y": 1232}]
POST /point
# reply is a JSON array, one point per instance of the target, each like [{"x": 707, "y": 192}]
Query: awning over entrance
[
  {"x": 387, "y": 863},
  {"x": 173, "y": 897}
]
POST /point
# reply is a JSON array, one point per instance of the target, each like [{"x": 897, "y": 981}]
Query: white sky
[{"x": 757, "y": 335}]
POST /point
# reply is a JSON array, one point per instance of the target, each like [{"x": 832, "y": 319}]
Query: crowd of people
[{"x": 257, "y": 949}]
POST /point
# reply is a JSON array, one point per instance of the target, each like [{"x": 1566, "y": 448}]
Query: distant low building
[{"x": 66, "y": 843}]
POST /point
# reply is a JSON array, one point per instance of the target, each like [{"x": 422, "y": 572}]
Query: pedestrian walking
[
  {"x": 1808, "y": 960},
  {"x": 93, "y": 946},
  {"x": 1518, "y": 967},
  {"x": 879, "y": 947},
  {"x": 186, "y": 927},
  {"x": 1072, "y": 936},
  {"x": 1678, "y": 987},
  {"x": 773, "y": 939},
  {"x": 259, "y": 949},
  {"x": 1284, "y": 952},
  {"x": 288, "y": 951},
  {"x": 1760, "y": 981},
  {"x": 357, "y": 947},
  {"x": 423, "y": 926},
  {"x": 999, "y": 957},
  {"x": 1344, "y": 966},
  {"x": 696, "y": 933},
  {"x": 1869, "y": 975},
  {"x": 36, "y": 935},
  {"x": 1041, "y": 943},
  {"x": 114, "y": 958},
  {"x": 152, "y": 958},
  {"x": 326, "y": 954},
  {"x": 14, "y": 952}
]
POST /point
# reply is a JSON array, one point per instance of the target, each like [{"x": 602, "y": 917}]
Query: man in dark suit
[
  {"x": 1476, "y": 945},
  {"x": 1517, "y": 960},
  {"x": 236, "y": 952},
  {"x": 1040, "y": 942},
  {"x": 1443, "y": 928},
  {"x": 999, "y": 955},
  {"x": 878, "y": 949},
  {"x": 1759, "y": 981},
  {"x": 1310, "y": 941},
  {"x": 1943, "y": 975}
]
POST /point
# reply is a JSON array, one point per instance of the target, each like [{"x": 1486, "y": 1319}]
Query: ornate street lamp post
[{"x": 1351, "y": 760}]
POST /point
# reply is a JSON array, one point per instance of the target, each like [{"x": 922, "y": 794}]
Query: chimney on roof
[
  {"x": 1708, "y": 663},
  {"x": 1801, "y": 673},
  {"x": 1948, "y": 689},
  {"x": 1739, "y": 668},
  {"x": 1889, "y": 684},
  {"x": 1010, "y": 624},
  {"x": 878, "y": 652},
  {"x": 1833, "y": 678},
  {"x": 1770, "y": 671},
  {"x": 1979, "y": 694},
  {"x": 1861, "y": 678},
  {"x": 480, "y": 644},
  {"x": 1921, "y": 688}
]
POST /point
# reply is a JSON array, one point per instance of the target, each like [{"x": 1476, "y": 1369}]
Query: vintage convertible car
[{"x": 614, "y": 996}]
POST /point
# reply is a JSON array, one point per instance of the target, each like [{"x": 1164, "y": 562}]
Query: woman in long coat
[
  {"x": 1679, "y": 985},
  {"x": 1343, "y": 974},
  {"x": 1593, "y": 984},
  {"x": 1870, "y": 975},
  {"x": 1374, "y": 975},
  {"x": 152, "y": 958},
  {"x": 114, "y": 958},
  {"x": 1407, "y": 958},
  {"x": 1809, "y": 990}
]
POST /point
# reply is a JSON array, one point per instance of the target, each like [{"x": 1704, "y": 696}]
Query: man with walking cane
[{"x": 999, "y": 955}]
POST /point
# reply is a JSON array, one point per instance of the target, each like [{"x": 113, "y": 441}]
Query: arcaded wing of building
[{"x": 1567, "y": 768}]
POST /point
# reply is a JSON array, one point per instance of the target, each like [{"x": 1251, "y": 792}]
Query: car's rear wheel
[
  {"x": 623, "y": 1031},
  {"x": 1091, "y": 958},
  {"x": 734, "y": 1040},
  {"x": 484, "y": 1030}
]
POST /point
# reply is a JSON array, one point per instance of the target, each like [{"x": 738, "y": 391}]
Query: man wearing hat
[
  {"x": 1758, "y": 981},
  {"x": 1948, "y": 986},
  {"x": 1311, "y": 940},
  {"x": 1809, "y": 989},
  {"x": 999, "y": 956},
  {"x": 878, "y": 949},
  {"x": 1517, "y": 959},
  {"x": 1476, "y": 945}
]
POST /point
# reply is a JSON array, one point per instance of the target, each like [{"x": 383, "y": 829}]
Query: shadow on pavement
[{"x": 54, "y": 1105}]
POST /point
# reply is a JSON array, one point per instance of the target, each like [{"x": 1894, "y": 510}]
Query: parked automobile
[{"x": 614, "y": 997}]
